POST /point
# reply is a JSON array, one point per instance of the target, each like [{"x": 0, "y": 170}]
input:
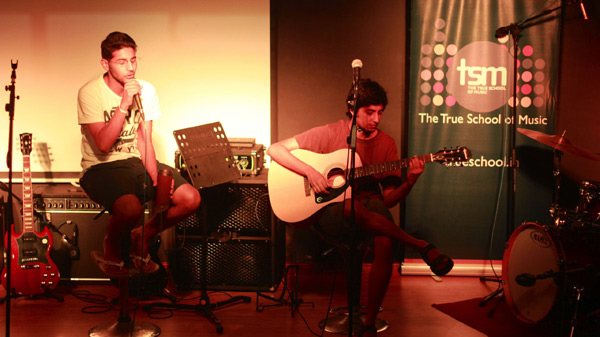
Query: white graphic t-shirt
[{"x": 96, "y": 102}]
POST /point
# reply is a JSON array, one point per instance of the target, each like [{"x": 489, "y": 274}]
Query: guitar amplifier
[
  {"x": 78, "y": 231},
  {"x": 249, "y": 158}
]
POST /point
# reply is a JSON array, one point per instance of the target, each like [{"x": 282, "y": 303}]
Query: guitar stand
[{"x": 294, "y": 302}]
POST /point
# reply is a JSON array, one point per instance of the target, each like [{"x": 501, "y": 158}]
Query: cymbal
[{"x": 558, "y": 142}]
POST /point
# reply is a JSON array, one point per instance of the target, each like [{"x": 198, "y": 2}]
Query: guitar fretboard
[
  {"x": 369, "y": 170},
  {"x": 27, "y": 196}
]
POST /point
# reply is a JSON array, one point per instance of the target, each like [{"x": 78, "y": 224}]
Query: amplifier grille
[{"x": 229, "y": 265}]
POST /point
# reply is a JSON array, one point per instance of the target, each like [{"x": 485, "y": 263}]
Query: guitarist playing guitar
[
  {"x": 374, "y": 194},
  {"x": 32, "y": 271}
]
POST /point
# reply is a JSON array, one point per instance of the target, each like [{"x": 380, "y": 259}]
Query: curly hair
[{"x": 369, "y": 93}]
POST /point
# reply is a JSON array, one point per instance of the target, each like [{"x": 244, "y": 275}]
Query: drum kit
[{"x": 555, "y": 269}]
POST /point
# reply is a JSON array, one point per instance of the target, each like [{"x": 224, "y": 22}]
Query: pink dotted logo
[{"x": 479, "y": 76}]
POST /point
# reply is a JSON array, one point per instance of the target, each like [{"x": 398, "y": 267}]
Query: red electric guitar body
[{"x": 32, "y": 270}]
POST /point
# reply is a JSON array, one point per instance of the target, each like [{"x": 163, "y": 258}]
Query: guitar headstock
[
  {"x": 26, "y": 144},
  {"x": 452, "y": 156}
]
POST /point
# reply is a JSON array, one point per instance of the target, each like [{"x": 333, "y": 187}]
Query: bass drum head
[{"x": 532, "y": 249}]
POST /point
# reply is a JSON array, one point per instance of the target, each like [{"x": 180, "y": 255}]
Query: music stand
[{"x": 209, "y": 161}]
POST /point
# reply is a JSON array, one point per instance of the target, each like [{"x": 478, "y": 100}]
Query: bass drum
[{"x": 567, "y": 258}]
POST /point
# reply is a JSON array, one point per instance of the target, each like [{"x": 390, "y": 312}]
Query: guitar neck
[
  {"x": 365, "y": 171},
  {"x": 27, "y": 196}
]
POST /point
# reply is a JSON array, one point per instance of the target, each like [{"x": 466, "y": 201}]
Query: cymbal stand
[{"x": 556, "y": 191}]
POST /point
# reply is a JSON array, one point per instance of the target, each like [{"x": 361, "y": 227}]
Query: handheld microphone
[{"x": 137, "y": 100}]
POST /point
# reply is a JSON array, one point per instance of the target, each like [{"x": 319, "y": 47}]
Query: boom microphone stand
[
  {"x": 10, "y": 108},
  {"x": 515, "y": 29}
]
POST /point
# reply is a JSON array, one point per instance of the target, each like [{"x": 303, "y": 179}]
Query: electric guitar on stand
[
  {"x": 32, "y": 271},
  {"x": 293, "y": 200}
]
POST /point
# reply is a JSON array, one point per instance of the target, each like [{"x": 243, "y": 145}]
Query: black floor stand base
[
  {"x": 499, "y": 293},
  {"x": 293, "y": 302},
  {"x": 204, "y": 307}
]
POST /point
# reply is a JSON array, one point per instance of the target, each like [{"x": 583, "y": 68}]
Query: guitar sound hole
[{"x": 336, "y": 178}]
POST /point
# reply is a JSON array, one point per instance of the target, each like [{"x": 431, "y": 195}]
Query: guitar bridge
[{"x": 307, "y": 187}]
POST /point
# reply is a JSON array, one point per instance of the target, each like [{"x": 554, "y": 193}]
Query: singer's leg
[
  {"x": 127, "y": 210},
  {"x": 184, "y": 202}
]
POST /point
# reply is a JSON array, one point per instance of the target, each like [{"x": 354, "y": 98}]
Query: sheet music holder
[
  {"x": 207, "y": 155},
  {"x": 209, "y": 161}
]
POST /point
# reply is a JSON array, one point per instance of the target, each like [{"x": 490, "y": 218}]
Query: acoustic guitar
[{"x": 293, "y": 200}]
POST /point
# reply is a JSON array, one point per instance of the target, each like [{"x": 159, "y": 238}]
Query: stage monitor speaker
[
  {"x": 79, "y": 234},
  {"x": 245, "y": 242}
]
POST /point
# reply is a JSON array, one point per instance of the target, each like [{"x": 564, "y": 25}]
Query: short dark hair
[
  {"x": 369, "y": 93},
  {"x": 115, "y": 41}
]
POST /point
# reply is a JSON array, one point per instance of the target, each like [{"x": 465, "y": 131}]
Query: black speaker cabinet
[
  {"x": 78, "y": 233},
  {"x": 245, "y": 242}
]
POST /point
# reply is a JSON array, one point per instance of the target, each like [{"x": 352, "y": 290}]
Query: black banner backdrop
[{"x": 461, "y": 94}]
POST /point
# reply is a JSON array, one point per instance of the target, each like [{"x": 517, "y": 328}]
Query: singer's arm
[
  {"x": 280, "y": 152},
  {"x": 146, "y": 148},
  {"x": 105, "y": 135}
]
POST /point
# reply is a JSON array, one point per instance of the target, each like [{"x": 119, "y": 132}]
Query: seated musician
[
  {"x": 374, "y": 195},
  {"x": 120, "y": 170}
]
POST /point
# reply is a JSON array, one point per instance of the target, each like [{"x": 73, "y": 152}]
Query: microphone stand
[
  {"x": 10, "y": 108},
  {"x": 514, "y": 29},
  {"x": 351, "y": 182}
]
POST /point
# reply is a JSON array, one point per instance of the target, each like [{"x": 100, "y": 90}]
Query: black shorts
[{"x": 105, "y": 183}]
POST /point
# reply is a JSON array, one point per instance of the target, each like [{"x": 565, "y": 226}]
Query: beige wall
[{"x": 209, "y": 61}]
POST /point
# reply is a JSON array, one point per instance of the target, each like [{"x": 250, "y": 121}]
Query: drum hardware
[
  {"x": 559, "y": 143},
  {"x": 589, "y": 201},
  {"x": 578, "y": 291},
  {"x": 529, "y": 280}
]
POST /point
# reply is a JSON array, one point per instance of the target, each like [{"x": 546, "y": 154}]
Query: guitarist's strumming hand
[
  {"x": 415, "y": 168},
  {"x": 317, "y": 182}
]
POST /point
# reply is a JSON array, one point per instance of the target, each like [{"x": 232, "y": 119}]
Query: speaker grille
[
  {"x": 245, "y": 247},
  {"x": 229, "y": 265},
  {"x": 239, "y": 208},
  {"x": 244, "y": 209}
]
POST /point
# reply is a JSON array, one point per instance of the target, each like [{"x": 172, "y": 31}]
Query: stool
[
  {"x": 340, "y": 322},
  {"x": 124, "y": 326}
]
